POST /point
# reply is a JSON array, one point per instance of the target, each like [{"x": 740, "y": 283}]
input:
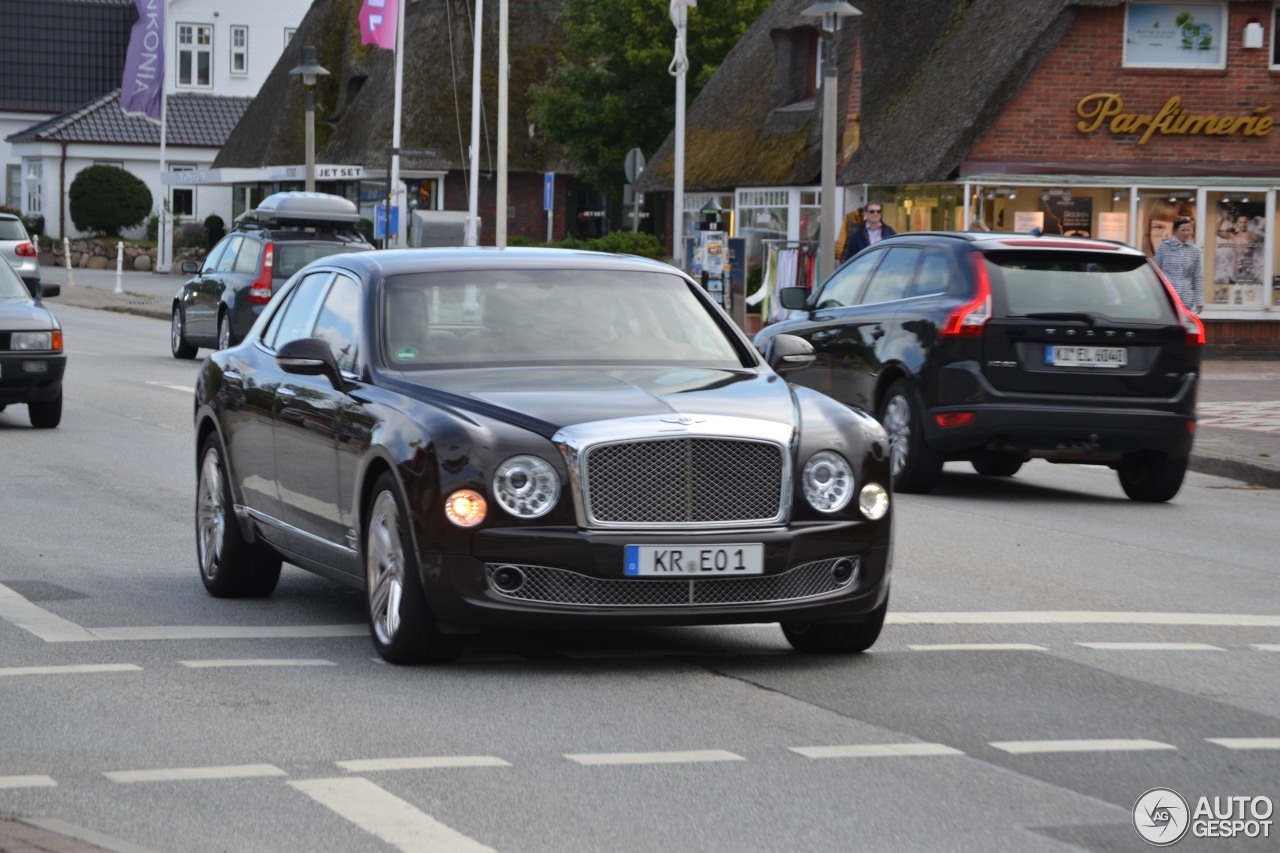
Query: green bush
[
  {"x": 106, "y": 199},
  {"x": 190, "y": 236},
  {"x": 153, "y": 227},
  {"x": 629, "y": 243},
  {"x": 213, "y": 222}
]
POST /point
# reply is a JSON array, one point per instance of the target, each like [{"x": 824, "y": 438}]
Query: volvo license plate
[
  {"x": 1086, "y": 356},
  {"x": 694, "y": 560}
]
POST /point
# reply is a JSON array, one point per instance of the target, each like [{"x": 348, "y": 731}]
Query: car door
[
  {"x": 200, "y": 309},
  {"x": 215, "y": 284},
  {"x": 823, "y": 326}
]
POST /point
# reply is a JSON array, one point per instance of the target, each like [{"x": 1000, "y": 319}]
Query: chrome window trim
[{"x": 576, "y": 441}]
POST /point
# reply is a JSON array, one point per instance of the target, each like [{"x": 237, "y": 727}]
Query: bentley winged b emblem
[{"x": 683, "y": 420}]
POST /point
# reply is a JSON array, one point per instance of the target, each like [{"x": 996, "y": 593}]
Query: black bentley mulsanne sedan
[{"x": 536, "y": 438}]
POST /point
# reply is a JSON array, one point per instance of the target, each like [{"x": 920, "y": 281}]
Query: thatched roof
[
  {"x": 935, "y": 74},
  {"x": 355, "y": 104}
]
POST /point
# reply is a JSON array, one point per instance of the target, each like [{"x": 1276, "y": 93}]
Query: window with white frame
[
  {"x": 1175, "y": 35},
  {"x": 119, "y": 164},
  {"x": 13, "y": 186},
  {"x": 288, "y": 35},
  {"x": 34, "y": 169},
  {"x": 195, "y": 55},
  {"x": 239, "y": 50},
  {"x": 183, "y": 198}
]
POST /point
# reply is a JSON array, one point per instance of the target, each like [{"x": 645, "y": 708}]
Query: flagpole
[
  {"x": 164, "y": 253},
  {"x": 397, "y": 187},
  {"x": 473, "y": 227},
  {"x": 504, "y": 73}
]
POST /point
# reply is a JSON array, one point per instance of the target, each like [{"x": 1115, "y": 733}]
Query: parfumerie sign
[{"x": 1107, "y": 110}]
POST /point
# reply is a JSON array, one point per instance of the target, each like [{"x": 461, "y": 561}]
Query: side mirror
[
  {"x": 310, "y": 357},
  {"x": 793, "y": 298},
  {"x": 44, "y": 291},
  {"x": 190, "y": 268},
  {"x": 786, "y": 353}
]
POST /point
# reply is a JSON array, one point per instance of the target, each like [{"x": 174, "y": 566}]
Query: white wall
[{"x": 267, "y": 22}]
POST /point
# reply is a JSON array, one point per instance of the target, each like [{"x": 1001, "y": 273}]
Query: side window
[
  {"x": 297, "y": 318},
  {"x": 893, "y": 276},
  {"x": 339, "y": 321},
  {"x": 247, "y": 258},
  {"x": 211, "y": 262},
  {"x": 842, "y": 288},
  {"x": 228, "y": 259},
  {"x": 935, "y": 273}
]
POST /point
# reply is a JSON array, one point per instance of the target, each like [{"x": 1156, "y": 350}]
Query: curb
[{"x": 1234, "y": 469}]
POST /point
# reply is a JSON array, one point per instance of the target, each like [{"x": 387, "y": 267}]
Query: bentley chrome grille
[
  {"x": 685, "y": 480},
  {"x": 558, "y": 586}
]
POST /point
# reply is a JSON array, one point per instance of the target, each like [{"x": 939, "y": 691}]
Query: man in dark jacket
[{"x": 869, "y": 232}]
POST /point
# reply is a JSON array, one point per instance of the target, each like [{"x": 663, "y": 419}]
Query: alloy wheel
[
  {"x": 384, "y": 568},
  {"x": 224, "y": 333},
  {"x": 211, "y": 515},
  {"x": 897, "y": 423},
  {"x": 175, "y": 330}
]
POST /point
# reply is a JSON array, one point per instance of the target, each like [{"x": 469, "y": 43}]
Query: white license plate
[
  {"x": 1087, "y": 356},
  {"x": 694, "y": 560}
]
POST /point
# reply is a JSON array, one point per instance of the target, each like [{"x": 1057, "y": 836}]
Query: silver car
[{"x": 19, "y": 251}]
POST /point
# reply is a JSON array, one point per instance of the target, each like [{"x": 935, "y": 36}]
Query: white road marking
[
  {"x": 428, "y": 762},
  {"x": 1029, "y": 747},
  {"x": 691, "y": 757},
  {"x": 875, "y": 750},
  {"x": 1267, "y": 647},
  {"x": 70, "y": 669},
  {"x": 185, "y": 389},
  {"x": 47, "y": 626},
  {"x": 229, "y": 632},
  {"x": 207, "y": 664},
  {"x": 88, "y": 836},
  {"x": 1246, "y": 742},
  {"x": 979, "y": 647},
  {"x": 387, "y": 816},
  {"x": 27, "y": 782},
  {"x": 1153, "y": 647},
  {"x": 1082, "y": 617},
  {"x": 593, "y": 654},
  {"x": 189, "y": 774}
]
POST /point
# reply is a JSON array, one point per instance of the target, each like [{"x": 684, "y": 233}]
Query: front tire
[
  {"x": 403, "y": 629},
  {"x": 46, "y": 415},
  {"x": 178, "y": 335},
  {"x": 230, "y": 565},
  {"x": 915, "y": 465},
  {"x": 837, "y": 639},
  {"x": 1151, "y": 477}
]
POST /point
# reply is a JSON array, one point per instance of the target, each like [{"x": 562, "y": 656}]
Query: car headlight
[
  {"x": 31, "y": 340},
  {"x": 526, "y": 486},
  {"x": 873, "y": 500},
  {"x": 828, "y": 481}
]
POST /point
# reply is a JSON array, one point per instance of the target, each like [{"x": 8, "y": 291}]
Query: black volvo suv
[{"x": 1000, "y": 348}]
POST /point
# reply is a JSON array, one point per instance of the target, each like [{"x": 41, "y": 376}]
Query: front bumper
[
  {"x": 463, "y": 597},
  {"x": 20, "y": 383}
]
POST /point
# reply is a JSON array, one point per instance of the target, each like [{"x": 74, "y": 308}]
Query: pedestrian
[
  {"x": 870, "y": 232},
  {"x": 1179, "y": 259}
]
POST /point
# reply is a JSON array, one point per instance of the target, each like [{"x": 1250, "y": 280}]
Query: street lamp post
[
  {"x": 310, "y": 71},
  {"x": 831, "y": 12}
]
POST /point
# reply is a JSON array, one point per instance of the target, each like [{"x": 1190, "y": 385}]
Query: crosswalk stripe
[
  {"x": 70, "y": 669},
  {"x": 385, "y": 815},
  {"x": 228, "y": 632},
  {"x": 1246, "y": 742},
  {"x": 207, "y": 664},
  {"x": 27, "y": 782},
  {"x": 1267, "y": 647},
  {"x": 49, "y": 627},
  {"x": 429, "y": 762},
  {"x": 978, "y": 647},
  {"x": 1153, "y": 647},
  {"x": 689, "y": 757},
  {"x": 1082, "y": 617},
  {"x": 875, "y": 750},
  {"x": 189, "y": 774},
  {"x": 1029, "y": 747}
]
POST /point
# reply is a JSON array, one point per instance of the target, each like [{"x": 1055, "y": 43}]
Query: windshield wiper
[{"x": 1062, "y": 315}]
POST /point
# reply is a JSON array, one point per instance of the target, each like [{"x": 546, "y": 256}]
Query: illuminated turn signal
[
  {"x": 951, "y": 419},
  {"x": 57, "y": 340},
  {"x": 465, "y": 508}
]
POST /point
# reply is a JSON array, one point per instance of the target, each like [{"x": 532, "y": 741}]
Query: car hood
[
  {"x": 19, "y": 315},
  {"x": 547, "y": 398}
]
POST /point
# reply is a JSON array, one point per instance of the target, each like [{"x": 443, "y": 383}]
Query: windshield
[
  {"x": 483, "y": 318},
  {"x": 11, "y": 287},
  {"x": 1116, "y": 287}
]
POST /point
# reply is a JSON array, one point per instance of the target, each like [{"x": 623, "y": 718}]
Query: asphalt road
[{"x": 1053, "y": 652}]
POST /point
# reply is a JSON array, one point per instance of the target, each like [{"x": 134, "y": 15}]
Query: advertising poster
[
  {"x": 1155, "y": 221},
  {"x": 1068, "y": 217},
  {"x": 1175, "y": 35},
  {"x": 1025, "y": 220},
  {"x": 1114, "y": 226},
  {"x": 1240, "y": 232}
]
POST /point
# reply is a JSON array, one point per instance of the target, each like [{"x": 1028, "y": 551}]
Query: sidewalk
[{"x": 1238, "y": 433}]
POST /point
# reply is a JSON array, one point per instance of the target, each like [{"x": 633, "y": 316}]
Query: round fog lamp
[
  {"x": 465, "y": 508},
  {"x": 873, "y": 500},
  {"x": 828, "y": 481}
]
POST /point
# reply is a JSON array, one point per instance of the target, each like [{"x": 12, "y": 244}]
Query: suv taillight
[
  {"x": 970, "y": 319},
  {"x": 1190, "y": 322},
  {"x": 260, "y": 292},
  {"x": 25, "y": 250}
]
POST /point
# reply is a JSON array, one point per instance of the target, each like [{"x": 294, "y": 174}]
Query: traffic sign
[
  {"x": 634, "y": 166},
  {"x": 548, "y": 191}
]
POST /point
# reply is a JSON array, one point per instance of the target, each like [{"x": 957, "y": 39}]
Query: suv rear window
[
  {"x": 1118, "y": 287},
  {"x": 289, "y": 258}
]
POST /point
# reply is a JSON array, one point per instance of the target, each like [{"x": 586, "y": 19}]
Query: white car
[
  {"x": 31, "y": 357},
  {"x": 19, "y": 250}
]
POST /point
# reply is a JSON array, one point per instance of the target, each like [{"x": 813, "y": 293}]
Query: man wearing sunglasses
[{"x": 871, "y": 231}]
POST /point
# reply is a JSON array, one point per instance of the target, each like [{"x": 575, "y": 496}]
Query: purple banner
[{"x": 143, "y": 83}]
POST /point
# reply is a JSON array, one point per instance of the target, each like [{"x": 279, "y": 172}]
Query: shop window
[
  {"x": 1156, "y": 211},
  {"x": 1175, "y": 35},
  {"x": 195, "y": 55},
  {"x": 240, "y": 51},
  {"x": 1234, "y": 249}
]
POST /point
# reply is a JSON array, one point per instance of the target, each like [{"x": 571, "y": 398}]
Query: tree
[
  {"x": 106, "y": 199},
  {"x": 613, "y": 92}
]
